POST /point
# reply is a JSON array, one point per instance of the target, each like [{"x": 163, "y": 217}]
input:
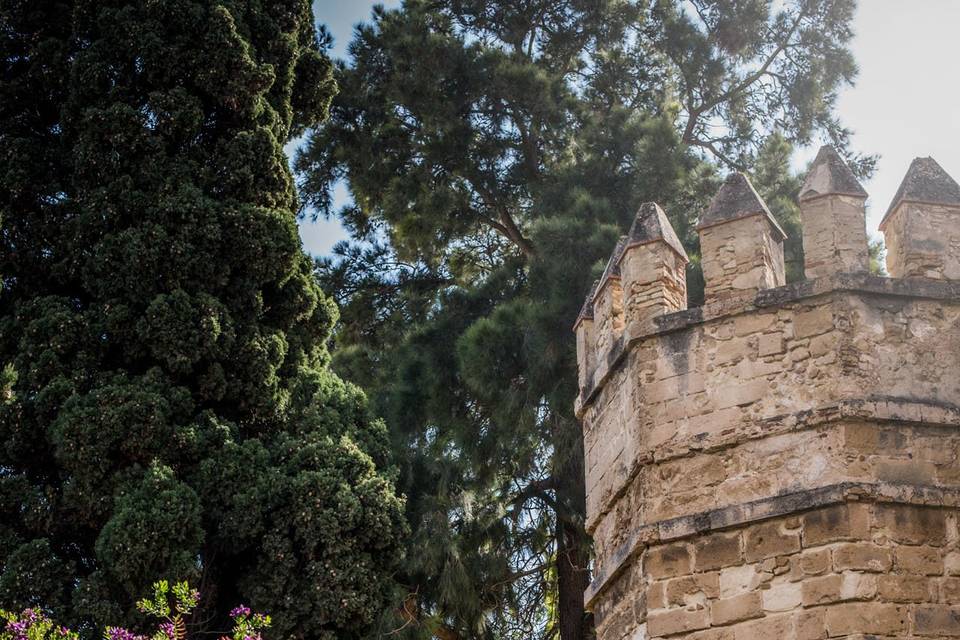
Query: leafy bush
[{"x": 170, "y": 607}]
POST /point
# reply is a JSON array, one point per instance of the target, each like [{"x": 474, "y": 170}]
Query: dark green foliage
[
  {"x": 165, "y": 404},
  {"x": 779, "y": 187},
  {"x": 494, "y": 151}
]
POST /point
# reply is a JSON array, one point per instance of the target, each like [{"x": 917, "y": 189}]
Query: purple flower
[
  {"x": 240, "y": 611},
  {"x": 119, "y": 633},
  {"x": 167, "y": 629},
  {"x": 18, "y": 629}
]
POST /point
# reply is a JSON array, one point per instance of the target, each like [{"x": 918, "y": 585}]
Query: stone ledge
[
  {"x": 858, "y": 283},
  {"x": 763, "y": 509}
]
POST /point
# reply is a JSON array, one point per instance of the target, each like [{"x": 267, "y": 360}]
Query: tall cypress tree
[{"x": 167, "y": 410}]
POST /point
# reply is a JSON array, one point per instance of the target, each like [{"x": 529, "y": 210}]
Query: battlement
[{"x": 715, "y": 436}]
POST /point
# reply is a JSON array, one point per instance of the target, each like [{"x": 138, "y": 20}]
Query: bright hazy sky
[{"x": 906, "y": 102}]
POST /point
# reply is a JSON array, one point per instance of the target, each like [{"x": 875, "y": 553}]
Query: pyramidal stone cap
[
  {"x": 586, "y": 311},
  {"x": 830, "y": 175},
  {"x": 737, "y": 199},
  {"x": 926, "y": 182},
  {"x": 650, "y": 225},
  {"x": 612, "y": 270}
]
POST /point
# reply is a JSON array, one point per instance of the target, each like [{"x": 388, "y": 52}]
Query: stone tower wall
[{"x": 783, "y": 462}]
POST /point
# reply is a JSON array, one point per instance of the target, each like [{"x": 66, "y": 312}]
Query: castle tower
[{"x": 783, "y": 462}]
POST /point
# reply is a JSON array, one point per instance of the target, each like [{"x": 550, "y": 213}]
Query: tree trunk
[{"x": 573, "y": 553}]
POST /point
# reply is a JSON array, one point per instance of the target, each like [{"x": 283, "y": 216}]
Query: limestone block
[
  {"x": 785, "y": 596},
  {"x": 811, "y": 624},
  {"x": 771, "y": 539},
  {"x": 867, "y": 617},
  {"x": 937, "y": 620},
  {"x": 814, "y": 562},
  {"x": 717, "y": 550},
  {"x": 665, "y": 623},
  {"x": 668, "y": 561},
  {"x": 690, "y": 590},
  {"x": 740, "y": 607},
  {"x": 949, "y": 590},
  {"x": 862, "y": 556},
  {"x": 908, "y": 524},
  {"x": 782, "y": 625},
  {"x": 840, "y": 522},
  {"x": 926, "y": 561},
  {"x": 904, "y": 588}
]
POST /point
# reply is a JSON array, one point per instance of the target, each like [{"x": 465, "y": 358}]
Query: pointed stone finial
[
  {"x": 925, "y": 183},
  {"x": 586, "y": 311},
  {"x": 741, "y": 244},
  {"x": 651, "y": 225},
  {"x": 830, "y": 175},
  {"x": 652, "y": 267},
  {"x": 608, "y": 302},
  {"x": 612, "y": 270},
  {"x": 922, "y": 228},
  {"x": 832, "y": 210},
  {"x": 737, "y": 199},
  {"x": 586, "y": 339}
]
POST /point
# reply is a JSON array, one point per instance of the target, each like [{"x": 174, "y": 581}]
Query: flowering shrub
[
  {"x": 30, "y": 624},
  {"x": 169, "y": 605}
]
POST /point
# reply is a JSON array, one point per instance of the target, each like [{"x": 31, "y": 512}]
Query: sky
[{"x": 905, "y": 103}]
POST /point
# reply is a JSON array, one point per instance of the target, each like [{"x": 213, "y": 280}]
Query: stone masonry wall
[
  {"x": 833, "y": 239},
  {"x": 783, "y": 462},
  {"x": 734, "y": 262},
  {"x": 932, "y": 246},
  {"x": 840, "y": 571},
  {"x": 645, "y": 271}
]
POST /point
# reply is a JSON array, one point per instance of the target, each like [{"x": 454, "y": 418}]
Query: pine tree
[
  {"x": 494, "y": 152},
  {"x": 167, "y": 409}
]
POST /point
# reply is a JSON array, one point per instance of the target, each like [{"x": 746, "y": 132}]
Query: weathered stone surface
[
  {"x": 862, "y": 556},
  {"x": 937, "y": 621},
  {"x": 717, "y": 550},
  {"x": 668, "y": 561},
  {"x": 675, "y": 621},
  {"x": 741, "y": 607},
  {"x": 867, "y": 617},
  {"x": 770, "y": 539},
  {"x": 925, "y": 561}
]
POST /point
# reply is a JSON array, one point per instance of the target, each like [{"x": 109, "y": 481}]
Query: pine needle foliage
[{"x": 493, "y": 152}]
